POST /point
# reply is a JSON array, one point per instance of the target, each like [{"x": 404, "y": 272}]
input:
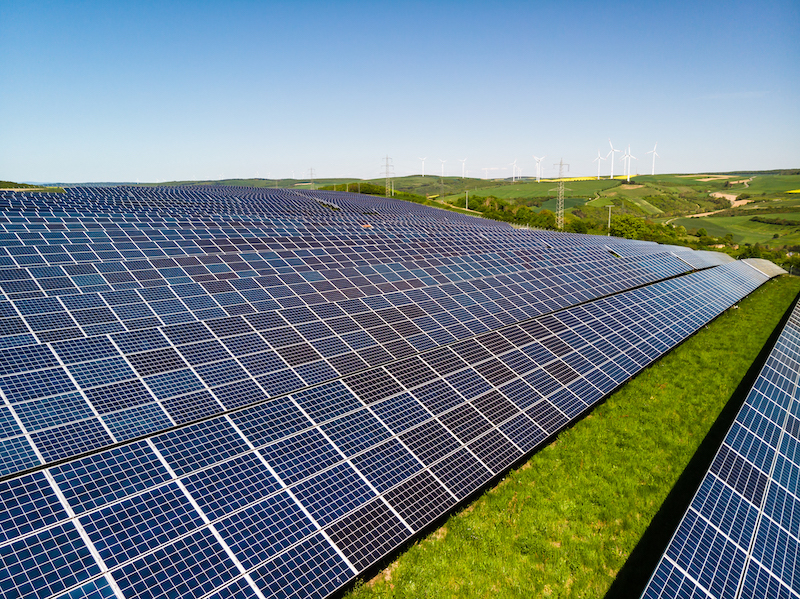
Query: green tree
[
  {"x": 578, "y": 226},
  {"x": 628, "y": 227}
]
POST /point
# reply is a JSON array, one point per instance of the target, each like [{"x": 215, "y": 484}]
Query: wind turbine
[
  {"x": 513, "y": 170},
  {"x": 625, "y": 164},
  {"x": 654, "y": 153},
  {"x": 539, "y": 167},
  {"x": 628, "y": 156},
  {"x": 597, "y": 160},
  {"x": 442, "y": 161},
  {"x": 423, "y": 165},
  {"x": 611, "y": 153},
  {"x": 463, "y": 162}
]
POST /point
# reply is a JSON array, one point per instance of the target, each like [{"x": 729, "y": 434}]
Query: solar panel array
[
  {"x": 739, "y": 537},
  {"x": 225, "y": 392}
]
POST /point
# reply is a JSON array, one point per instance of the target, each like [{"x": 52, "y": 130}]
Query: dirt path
[{"x": 731, "y": 197}]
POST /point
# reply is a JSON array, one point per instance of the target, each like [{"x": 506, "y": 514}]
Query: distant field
[
  {"x": 569, "y": 203},
  {"x": 773, "y": 184},
  {"x": 745, "y": 230},
  {"x": 600, "y": 202},
  {"x": 585, "y": 189}
]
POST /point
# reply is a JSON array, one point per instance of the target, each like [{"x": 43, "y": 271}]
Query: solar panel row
[
  {"x": 271, "y": 390},
  {"x": 332, "y": 478},
  {"x": 739, "y": 537},
  {"x": 112, "y": 365}
]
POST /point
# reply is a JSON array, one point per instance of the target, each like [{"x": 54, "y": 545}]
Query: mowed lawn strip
[{"x": 563, "y": 524}]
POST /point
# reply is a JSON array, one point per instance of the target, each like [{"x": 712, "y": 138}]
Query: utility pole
[
  {"x": 560, "y": 196},
  {"x": 466, "y": 200},
  {"x": 609, "y": 220},
  {"x": 388, "y": 172}
]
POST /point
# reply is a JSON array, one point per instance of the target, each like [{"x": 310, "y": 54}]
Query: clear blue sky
[{"x": 148, "y": 91}]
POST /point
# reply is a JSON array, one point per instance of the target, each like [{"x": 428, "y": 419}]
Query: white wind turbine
[
  {"x": 597, "y": 160},
  {"x": 442, "y": 161},
  {"x": 423, "y": 165},
  {"x": 539, "y": 167},
  {"x": 654, "y": 153},
  {"x": 611, "y": 153},
  {"x": 627, "y": 158},
  {"x": 463, "y": 161},
  {"x": 625, "y": 164},
  {"x": 513, "y": 170}
]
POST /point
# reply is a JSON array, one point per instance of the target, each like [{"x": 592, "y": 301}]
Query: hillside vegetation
[{"x": 11, "y": 186}]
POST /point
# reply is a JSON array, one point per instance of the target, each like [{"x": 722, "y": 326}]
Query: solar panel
[
  {"x": 236, "y": 392},
  {"x": 745, "y": 512}
]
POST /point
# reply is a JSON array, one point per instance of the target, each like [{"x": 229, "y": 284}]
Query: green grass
[
  {"x": 563, "y": 524},
  {"x": 585, "y": 189},
  {"x": 569, "y": 203},
  {"x": 30, "y": 188},
  {"x": 745, "y": 230},
  {"x": 600, "y": 202},
  {"x": 772, "y": 184}
]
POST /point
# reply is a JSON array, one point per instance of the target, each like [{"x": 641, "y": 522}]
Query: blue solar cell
[
  {"x": 39, "y": 414},
  {"x": 327, "y": 401},
  {"x": 27, "y": 504},
  {"x": 137, "y": 421},
  {"x": 240, "y": 589},
  {"x": 239, "y": 393},
  {"x": 94, "y": 589},
  {"x": 174, "y": 383},
  {"x": 333, "y": 493},
  {"x": 71, "y": 439},
  {"x": 199, "y": 445},
  {"x": 232, "y": 485},
  {"x": 387, "y": 465},
  {"x": 101, "y": 372},
  {"x": 461, "y": 473},
  {"x": 313, "y": 569},
  {"x": 65, "y": 560},
  {"x": 263, "y": 530},
  {"x": 369, "y": 533},
  {"x": 196, "y": 564},
  {"x": 118, "y": 396},
  {"x": 355, "y": 432},
  {"x": 280, "y": 382},
  {"x": 201, "y": 353},
  {"x": 41, "y": 383},
  {"x": 221, "y": 372},
  {"x": 298, "y": 457},
  {"x": 21, "y": 359},
  {"x": 135, "y": 341},
  {"x": 123, "y": 531}
]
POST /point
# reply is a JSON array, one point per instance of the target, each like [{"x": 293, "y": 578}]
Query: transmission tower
[
  {"x": 311, "y": 176},
  {"x": 560, "y": 197},
  {"x": 388, "y": 172}
]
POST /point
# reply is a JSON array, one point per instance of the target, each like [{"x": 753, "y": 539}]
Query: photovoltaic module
[
  {"x": 739, "y": 537},
  {"x": 226, "y": 392}
]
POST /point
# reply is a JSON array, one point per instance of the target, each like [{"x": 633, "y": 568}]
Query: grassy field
[
  {"x": 564, "y": 523},
  {"x": 745, "y": 230},
  {"x": 772, "y": 184},
  {"x": 584, "y": 189}
]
